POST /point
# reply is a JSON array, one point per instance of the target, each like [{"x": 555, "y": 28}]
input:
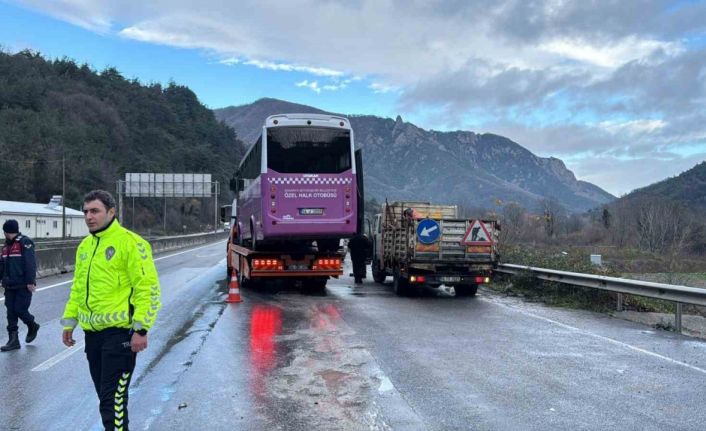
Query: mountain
[
  {"x": 403, "y": 161},
  {"x": 687, "y": 189},
  {"x": 104, "y": 125}
]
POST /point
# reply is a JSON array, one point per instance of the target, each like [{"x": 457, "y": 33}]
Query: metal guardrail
[
  {"x": 44, "y": 244},
  {"x": 58, "y": 256},
  {"x": 668, "y": 292}
]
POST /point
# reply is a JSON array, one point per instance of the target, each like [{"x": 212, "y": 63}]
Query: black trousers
[
  {"x": 17, "y": 302},
  {"x": 111, "y": 362},
  {"x": 358, "y": 267}
]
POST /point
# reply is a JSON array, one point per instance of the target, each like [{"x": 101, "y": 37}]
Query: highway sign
[
  {"x": 428, "y": 231},
  {"x": 477, "y": 234}
]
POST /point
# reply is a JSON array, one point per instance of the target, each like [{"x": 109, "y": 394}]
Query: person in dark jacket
[
  {"x": 358, "y": 247},
  {"x": 18, "y": 270}
]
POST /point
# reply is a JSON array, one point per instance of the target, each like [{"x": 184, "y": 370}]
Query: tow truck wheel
[
  {"x": 466, "y": 289},
  {"x": 378, "y": 275},
  {"x": 316, "y": 286},
  {"x": 242, "y": 281},
  {"x": 399, "y": 284}
]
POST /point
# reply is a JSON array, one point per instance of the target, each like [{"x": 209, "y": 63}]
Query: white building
[{"x": 40, "y": 221}]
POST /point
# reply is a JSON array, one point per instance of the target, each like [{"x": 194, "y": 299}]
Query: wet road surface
[{"x": 360, "y": 358}]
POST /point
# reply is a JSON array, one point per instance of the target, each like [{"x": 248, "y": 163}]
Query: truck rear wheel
[
  {"x": 316, "y": 286},
  {"x": 242, "y": 280},
  {"x": 400, "y": 284},
  {"x": 466, "y": 289},
  {"x": 378, "y": 274}
]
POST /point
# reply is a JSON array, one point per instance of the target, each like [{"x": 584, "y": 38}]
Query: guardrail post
[
  {"x": 677, "y": 317},
  {"x": 619, "y": 305}
]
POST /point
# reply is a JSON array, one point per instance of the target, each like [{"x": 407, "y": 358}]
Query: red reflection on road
[
  {"x": 265, "y": 325},
  {"x": 325, "y": 317}
]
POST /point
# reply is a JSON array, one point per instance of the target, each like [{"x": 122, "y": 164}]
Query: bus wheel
[
  {"x": 466, "y": 289},
  {"x": 241, "y": 241},
  {"x": 378, "y": 275},
  {"x": 253, "y": 237},
  {"x": 328, "y": 245},
  {"x": 399, "y": 284}
]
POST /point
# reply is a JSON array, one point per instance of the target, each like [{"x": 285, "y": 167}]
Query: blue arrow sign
[{"x": 428, "y": 231}]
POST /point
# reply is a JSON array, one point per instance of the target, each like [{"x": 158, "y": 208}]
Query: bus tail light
[
  {"x": 482, "y": 280},
  {"x": 417, "y": 279},
  {"x": 267, "y": 265}
]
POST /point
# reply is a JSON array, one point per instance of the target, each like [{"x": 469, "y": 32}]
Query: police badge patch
[{"x": 109, "y": 253}]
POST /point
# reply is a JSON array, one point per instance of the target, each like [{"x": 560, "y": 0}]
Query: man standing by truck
[
  {"x": 358, "y": 246},
  {"x": 115, "y": 297},
  {"x": 18, "y": 270}
]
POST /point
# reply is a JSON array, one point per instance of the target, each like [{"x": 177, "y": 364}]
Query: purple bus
[{"x": 297, "y": 184}]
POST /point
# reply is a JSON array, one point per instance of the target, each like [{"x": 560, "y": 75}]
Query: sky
[{"x": 615, "y": 89}]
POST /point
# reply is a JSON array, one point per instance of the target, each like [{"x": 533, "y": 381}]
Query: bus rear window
[{"x": 308, "y": 150}]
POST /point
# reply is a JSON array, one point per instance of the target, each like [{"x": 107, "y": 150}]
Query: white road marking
[
  {"x": 159, "y": 258},
  {"x": 610, "y": 340},
  {"x": 58, "y": 357},
  {"x": 188, "y": 251}
]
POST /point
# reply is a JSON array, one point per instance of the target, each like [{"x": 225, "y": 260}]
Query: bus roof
[{"x": 321, "y": 120}]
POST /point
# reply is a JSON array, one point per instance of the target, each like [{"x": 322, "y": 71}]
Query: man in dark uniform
[
  {"x": 358, "y": 247},
  {"x": 18, "y": 270}
]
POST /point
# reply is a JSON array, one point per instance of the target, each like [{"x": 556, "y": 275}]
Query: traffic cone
[{"x": 233, "y": 289}]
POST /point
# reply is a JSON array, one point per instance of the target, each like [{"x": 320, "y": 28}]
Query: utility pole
[
  {"x": 63, "y": 196},
  {"x": 215, "y": 207}
]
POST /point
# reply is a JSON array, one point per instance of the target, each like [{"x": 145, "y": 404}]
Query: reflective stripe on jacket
[{"x": 115, "y": 282}]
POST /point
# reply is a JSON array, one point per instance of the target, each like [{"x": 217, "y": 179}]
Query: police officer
[
  {"x": 358, "y": 247},
  {"x": 18, "y": 270},
  {"x": 115, "y": 297}
]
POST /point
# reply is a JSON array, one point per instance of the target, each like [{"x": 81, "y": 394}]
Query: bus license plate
[
  {"x": 449, "y": 279},
  {"x": 311, "y": 211}
]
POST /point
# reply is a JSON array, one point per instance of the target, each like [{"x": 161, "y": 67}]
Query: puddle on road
[{"x": 307, "y": 371}]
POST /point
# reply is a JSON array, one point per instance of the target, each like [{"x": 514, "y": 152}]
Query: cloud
[
  {"x": 633, "y": 127},
  {"x": 316, "y": 88},
  {"x": 318, "y": 71},
  {"x": 381, "y": 88},
  {"x": 612, "y": 79},
  {"x": 612, "y": 55},
  {"x": 82, "y": 13},
  {"x": 313, "y": 86}
]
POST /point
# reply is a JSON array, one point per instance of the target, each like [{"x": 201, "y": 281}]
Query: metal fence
[{"x": 668, "y": 292}]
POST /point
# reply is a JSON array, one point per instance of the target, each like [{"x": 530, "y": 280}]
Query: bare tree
[
  {"x": 623, "y": 224},
  {"x": 663, "y": 226},
  {"x": 513, "y": 223},
  {"x": 553, "y": 214}
]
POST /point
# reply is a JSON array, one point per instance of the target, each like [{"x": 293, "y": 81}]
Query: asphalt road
[{"x": 360, "y": 358}]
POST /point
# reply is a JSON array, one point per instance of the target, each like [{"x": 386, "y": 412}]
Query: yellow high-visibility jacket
[{"x": 115, "y": 282}]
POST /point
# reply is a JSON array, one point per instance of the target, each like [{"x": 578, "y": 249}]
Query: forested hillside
[{"x": 104, "y": 125}]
